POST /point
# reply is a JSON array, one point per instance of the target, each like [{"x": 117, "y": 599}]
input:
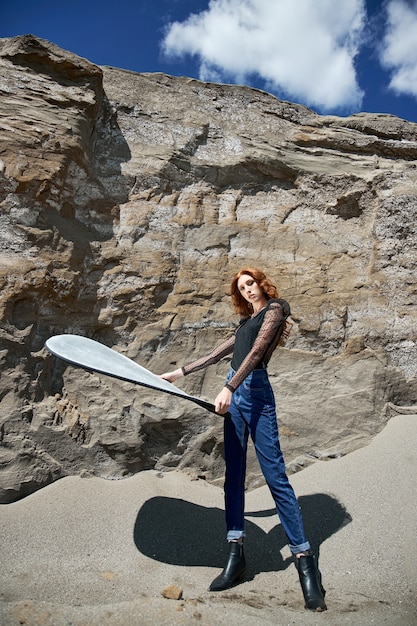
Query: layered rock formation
[{"x": 127, "y": 203}]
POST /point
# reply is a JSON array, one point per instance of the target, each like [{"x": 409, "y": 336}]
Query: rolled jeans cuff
[
  {"x": 233, "y": 535},
  {"x": 301, "y": 548}
]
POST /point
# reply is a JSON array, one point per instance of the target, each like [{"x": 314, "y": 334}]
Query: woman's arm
[{"x": 214, "y": 356}]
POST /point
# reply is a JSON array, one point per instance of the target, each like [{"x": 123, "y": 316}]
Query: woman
[{"x": 249, "y": 398}]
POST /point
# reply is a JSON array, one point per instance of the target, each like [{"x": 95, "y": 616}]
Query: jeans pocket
[
  {"x": 255, "y": 382},
  {"x": 253, "y": 388}
]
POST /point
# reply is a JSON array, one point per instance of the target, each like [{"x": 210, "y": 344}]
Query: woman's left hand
[{"x": 223, "y": 401}]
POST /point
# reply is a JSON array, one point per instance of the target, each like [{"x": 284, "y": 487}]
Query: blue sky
[{"x": 334, "y": 56}]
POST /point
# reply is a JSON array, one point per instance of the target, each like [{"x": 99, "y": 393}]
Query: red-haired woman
[{"x": 249, "y": 398}]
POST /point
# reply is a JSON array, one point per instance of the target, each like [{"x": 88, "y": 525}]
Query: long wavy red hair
[{"x": 241, "y": 306}]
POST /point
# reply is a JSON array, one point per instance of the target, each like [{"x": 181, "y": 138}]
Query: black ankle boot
[
  {"x": 234, "y": 570},
  {"x": 310, "y": 579}
]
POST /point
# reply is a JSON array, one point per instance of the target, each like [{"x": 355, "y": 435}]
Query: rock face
[{"x": 127, "y": 203}]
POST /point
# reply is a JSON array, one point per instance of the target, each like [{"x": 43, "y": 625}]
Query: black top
[
  {"x": 252, "y": 344},
  {"x": 249, "y": 328}
]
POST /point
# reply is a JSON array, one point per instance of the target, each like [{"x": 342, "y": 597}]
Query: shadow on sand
[{"x": 178, "y": 532}]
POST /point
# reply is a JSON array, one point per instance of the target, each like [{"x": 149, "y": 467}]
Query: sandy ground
[{"x": 90, "y": 552}]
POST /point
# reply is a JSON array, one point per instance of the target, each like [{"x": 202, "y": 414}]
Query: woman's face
[{"x": 251, "y": 291}]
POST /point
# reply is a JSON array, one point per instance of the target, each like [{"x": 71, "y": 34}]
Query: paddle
[{"x": 94, "y": 356}]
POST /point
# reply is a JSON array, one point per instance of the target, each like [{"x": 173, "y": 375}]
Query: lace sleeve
[
  {"x": 218, "y": 353},
  {"x": 263, "y": 346}
]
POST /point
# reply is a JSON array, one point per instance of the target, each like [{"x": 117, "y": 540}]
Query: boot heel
[{"x": 310, "y": 580}]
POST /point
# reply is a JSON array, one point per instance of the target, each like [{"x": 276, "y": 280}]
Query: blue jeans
[{"x": 253, "y": 411}]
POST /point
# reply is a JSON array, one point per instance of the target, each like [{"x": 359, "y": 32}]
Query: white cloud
[
  {"x": 304, "y": 48},
  {"x": 399, "y": 46}
]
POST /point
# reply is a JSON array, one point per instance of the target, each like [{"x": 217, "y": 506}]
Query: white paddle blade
[{"x": 95, "y": 356}]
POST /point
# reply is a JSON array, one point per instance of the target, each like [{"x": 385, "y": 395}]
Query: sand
[{"x": 85, "y": 551}]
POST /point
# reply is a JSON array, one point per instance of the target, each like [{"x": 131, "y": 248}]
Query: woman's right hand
[{"x": 171, "y": 377}]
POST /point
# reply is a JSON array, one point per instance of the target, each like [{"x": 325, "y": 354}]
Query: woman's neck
[{"x": 259, "y": 306}]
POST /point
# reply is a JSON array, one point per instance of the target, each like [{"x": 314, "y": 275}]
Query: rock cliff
[{"x": 127, "y": 203}]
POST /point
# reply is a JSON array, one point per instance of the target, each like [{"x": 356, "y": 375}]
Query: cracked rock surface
[{"x": 127, "y": 203}]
